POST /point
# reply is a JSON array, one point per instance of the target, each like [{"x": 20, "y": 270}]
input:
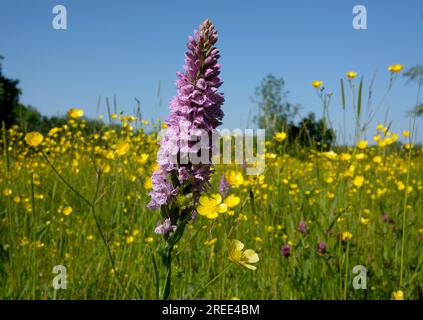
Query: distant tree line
[
  {"x": 277, "y": 114},
  {"x": 27, "y": 117}
]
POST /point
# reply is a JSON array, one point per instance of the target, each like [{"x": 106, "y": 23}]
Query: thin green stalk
[
  {"x": 64, "y": 181},
  {"x": 373, "y": 114},
  {"x": 166, "y": 292},
  {"x": 404, "y": 222},
  {"x": 92, "y": 207},
  {"x": 11, "y": 244},
  {"x": 222, "y": 279},
  {"x": 358, "y": 115},
  {"x": 5, "y": 147},
  {"x": 404, "y": 212},
  {"x": 340, "y": 271},
  {"x": 211, "y": 281},
  {"x": 346, "y": 270},
  {"x": 156, "y": 274},
  {"x": 32, "y": 237},
  {"x": 9, "y": 212}
]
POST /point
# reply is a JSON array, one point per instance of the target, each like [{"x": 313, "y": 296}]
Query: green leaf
[
  {"x": 343, "y": 94},
  {"x": 360, "y": 94}
]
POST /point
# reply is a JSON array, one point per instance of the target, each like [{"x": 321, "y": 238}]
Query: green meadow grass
[{"x": 36, "y": 235}]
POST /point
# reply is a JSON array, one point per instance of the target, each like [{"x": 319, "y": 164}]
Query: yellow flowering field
[{"x": 296, "y": 231}]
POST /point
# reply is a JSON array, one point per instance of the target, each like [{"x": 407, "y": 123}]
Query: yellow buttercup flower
[
  {"x": 345, "y": 156},
  {"x": 7, "y": 192},
  {"x": 105, "y": 168},
  {"x": 398, "y": 295},
  {"x": 346, "y": 236},
  {"x": 380, "y": 127},
  {"x": 142, "y": 159},
  {"x": 210, "y": 242},
  {"x": 377, "y": 159},
  {"x": 364, "y": 221},
  {"x": 33, "y": 139},
  {"x": 317, "y": 83},
  {"x": 258, "y": 239},
  {"x": 351, "y": 74},
  {"x": 240, "y": 257},
  {"x": 147, "y": 183},
  {"x": 270, "y": 228},
  {"x": 234, "y": 178},
  {"x": 211, "y": 206},
  {"x": 358, "y": 181},
  {"x": 242, "y": 217},
  {"x": 130, "y": 239},
  {"x": 67, "y": 210},
  {"x": 148, "y": 240},
  {"x": 331, "y": 155},
  {"x": 395, "y": 68},
  {"x": 280, "y": 136},
  {"x": 53, "y": 131},
  {"x": 400, "y": 185},
  {"x": 406, "y": 133},
  {"x": 362, "y": 144},
  {"x": 155, "y": 166},
  {"x": 394, "y": 137},
  {"x": 75, "y": 113},
  {"x": 122, "y": 147},
  {"x": 232, "y": 201},
  {"x": 360, "y": 156}
]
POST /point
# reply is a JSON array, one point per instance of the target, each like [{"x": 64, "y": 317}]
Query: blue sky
[{"x": 125, "y": 48}]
